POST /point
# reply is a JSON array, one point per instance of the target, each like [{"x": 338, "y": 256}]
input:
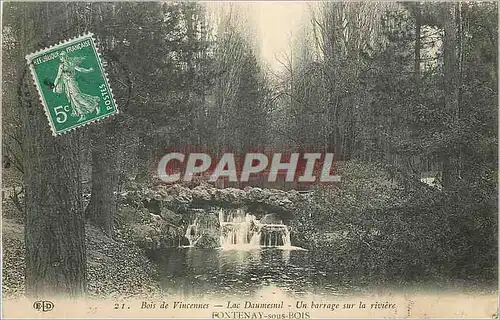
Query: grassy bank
[{"x": 114, "y": 268}]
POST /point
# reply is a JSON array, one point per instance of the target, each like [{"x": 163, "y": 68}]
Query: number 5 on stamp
[{"x": 72, "y": 84}]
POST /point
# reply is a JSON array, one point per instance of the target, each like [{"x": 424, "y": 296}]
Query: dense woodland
[{"x": 398, "y": 91}]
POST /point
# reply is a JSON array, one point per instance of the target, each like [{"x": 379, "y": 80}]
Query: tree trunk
[
  {"x": 410, "y": 159},
  {"x": 144, "y": 159},
  {"x": 449, "y": 159},
  {"x": 101, "y": 209},
  {"x": 418, "y": 24},
  {"x": 54, "y": 221}
]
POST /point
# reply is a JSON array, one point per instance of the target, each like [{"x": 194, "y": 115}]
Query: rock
[
  {"x": 273, "y": 198},
  {"x": 163, "y": 192},
  {"x": 254, "y": 194},
  {"x": 185, "y": 195},
  {"x": 153, "y": 205},
  {"x": 168, "y": 214},
  {"x": 155, "y": 217},
  {"x": 178, "y": 198},
  {"x": 284, "y": 202},
  {"x": 200, "y": 193},
  {"x": 198, "y": 211},
  {"x": 271, "y": 218},
  {"x": 293, "y": 194},
  {"x": 234, "y": 196}
]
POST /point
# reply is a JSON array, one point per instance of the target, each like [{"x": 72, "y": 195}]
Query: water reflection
[
  {"x": 197, "y": 271},
  {"x": 194, "y": 271}
]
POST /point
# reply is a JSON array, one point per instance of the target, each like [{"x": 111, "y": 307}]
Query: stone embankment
[{"x": 252, "y": 199}]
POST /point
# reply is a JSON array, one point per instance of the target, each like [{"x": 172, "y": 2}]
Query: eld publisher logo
[{"x": 43, "y": 305}]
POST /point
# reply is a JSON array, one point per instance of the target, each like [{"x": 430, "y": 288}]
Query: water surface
[
  {"x": 238, "y": 273},
  {"x": 197, "y": 271}
]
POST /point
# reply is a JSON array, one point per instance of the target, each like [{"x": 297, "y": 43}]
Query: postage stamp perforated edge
[{"x": 31, "y": 56}]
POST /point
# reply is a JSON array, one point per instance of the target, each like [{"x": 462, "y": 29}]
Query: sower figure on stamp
[{"x": 65, "y": 81}]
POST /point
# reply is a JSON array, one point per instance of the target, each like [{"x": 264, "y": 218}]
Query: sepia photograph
[{"x": 249, "y": 160}]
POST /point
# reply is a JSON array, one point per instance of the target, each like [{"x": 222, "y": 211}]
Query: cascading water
[
  {"x": 274, "y": 235},
  {"x": 242, "y": 230},
  {"x": 192, "y": 233},
  {"x": 236, "y": 228}
]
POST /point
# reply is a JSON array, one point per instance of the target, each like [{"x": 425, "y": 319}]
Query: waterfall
[
  {"x": 236, "y": 229},
  {"x": 192, "y": 233},
  {"x": 242, "y": 230},
  {"x": 274, "y": 235}
]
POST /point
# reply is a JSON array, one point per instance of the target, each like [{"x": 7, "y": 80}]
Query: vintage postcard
[{"x": 269, "y": 160}]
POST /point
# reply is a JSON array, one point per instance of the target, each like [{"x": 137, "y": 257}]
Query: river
[
  {"x": 197, "y": 271},
  {"x": 238, "y": 273}
]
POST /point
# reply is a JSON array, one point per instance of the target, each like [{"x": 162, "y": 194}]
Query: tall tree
[
  {"x": 237, "y": 110},
  {"x": 105, "y": 140},
  {"x": 54, "y": 223},
  {"x": 449, "y": 155},
  {"x": 103, "y": 202}
]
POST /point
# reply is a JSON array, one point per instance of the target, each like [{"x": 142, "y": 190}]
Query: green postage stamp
[{"x": 72, "y": 84}]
